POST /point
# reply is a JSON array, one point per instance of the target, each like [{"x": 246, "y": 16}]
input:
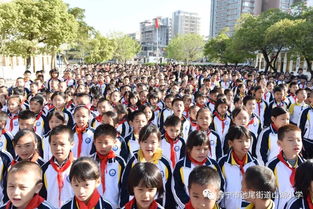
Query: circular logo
[
  {"x": 115, "y": 148},
  {"x": 16, "y": 123},
  {"x": 255, "y": 124},
  {"x": 88, "y": 140},
  {"x": 1, "y": 144},
  {"x": 38, "y": 123},
  {"x": 212, "y": 142},
  {"x": 176, "y": 148},
  {"x": 162, "y": 172},
  {"x": 226, "y": 122},
  {"x": 112, "y": 172},
  {"x": 68, "y": 179}
]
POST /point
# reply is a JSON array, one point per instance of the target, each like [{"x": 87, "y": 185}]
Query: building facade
[{"x": 185, "y": 22}]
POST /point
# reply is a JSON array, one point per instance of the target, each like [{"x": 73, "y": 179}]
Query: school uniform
[
  {"x": 255, "y": 124},
  {"x": 268, "y": 97},
  {"x": 295, "y": 110},
  {"x": 211, "y": 105},
  {"x": 5, "y": 163},
  {"x": 12, "y": 124},
  {"x": 163, "y": 164},
  {"x": 120, "y": 148},
  {"x": 35, "y": 158},
  {"x": 306, "y": 126},
  {"x": 185, "y": 128},
  {"x": 233, "y": 173},
  {"x": 260, "y": 109},
  {"x": 132, "y": 205},
  {"x": 69, "y": 82},
  {"x": 124, "y": 128},
  {"x": 189, "y": 206},
  {"x": 40, "y": 125},
  {"x": 36, "y": 202},
  {"x": 266, "y": 146},
  {"x": 291, "y": 99},
  {"x": 156, "y": 113},
  {"x": 285, "y": 175},
  {"x": 271, "y": 206},
  {"x": 68, "y": 117},
  {"x": 6, "y": 143},
  {"x": 132, "y": 143},
  {"x": 111, "y": 169},
  {"x": 225, "y": 84},
  {"x": 83, "y": 142},
  {"x": 299, "y": 203},
  {"x": 57, "y": 187},
  {"x": 47, "y": 154},
  {"x": 181, "y": 174},
  {"x": 220, "y": 125},
  {"x": 164, "y": 113},
  {"x": 271, "y": 106},
  {"x": 47, "y": 108},
  {"x": 95, "y": 122},
  {"x": 48, "y": 84}
]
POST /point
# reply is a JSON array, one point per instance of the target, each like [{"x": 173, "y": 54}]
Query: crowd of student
[{"x": 130, "y": 136}]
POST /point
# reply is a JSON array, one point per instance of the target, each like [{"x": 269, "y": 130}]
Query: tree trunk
[
  {"x": 28, "y": 62},
  {"x": 34, "y": 64},
  {"x": 53, "y": 60},
  {"x": 267, "y": 61},
  {"x": 308, "y": 61}
]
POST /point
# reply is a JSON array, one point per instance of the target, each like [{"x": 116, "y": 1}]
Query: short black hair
[
  {"x": 220, "y": 102},
  {"x": 58, "y": 93},
  {"x": 285, "y": 129},
  {"x": 147, "y": 130},
  {"x": 277, "y": 111},
  {"x": 277, "y": 89},
  {"x": 26, "y": 114},
  {"x": 197, "y": 138},
  {"x": 22, "y": 133},
  {"x": 172, "y": 121},
  {"x": 105, "y": 129},
  {"x": 204, "y": 175},
  {"x": 237, "y": 132},
  {"x": 247, "y": 98},
  {"x": 112, "y": 115},
  {"x": 177, "y": 99},
  {"x": 134, "y": 114},
  {"x": 303, "y": 178},
  {"x": 62, "y": 129},
  {"x": 37, "y": 98},
  {"x": 83, "y": 169}
]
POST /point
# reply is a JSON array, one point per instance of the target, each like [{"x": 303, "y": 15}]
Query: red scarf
[
  {"x": 173, "y": 153},
  {"x": 309, "y": 201},
  {"x": 294, "y": 97},
  {"x": 37, "y": 118},
  {"x": 259, "y": 108},
  {"x": 197, "y": 162},
  {"x": 251, "y": 122},
  {"x": 274, "y": 127},
  {"x": 80, "y": 132},
  {"x": 131, "y": 204},
  {"x": 34, "y": 202},
  {"x": 33, "y": 159},
  {"x": 201, "y": 105},
  {"x": 99, "y": 118},
  {"x": 189, "y": 205},
  {"x": 11, "y": 121},
  {"x": 103, "y": 164},
  {"x": 293, "y": 170},
  {"x": 241, "y": 163},
  {"x": 60, "y": 171},
  {"x": 121, "y": 122},
  {"x": 69, "y": 104},
  {"x": 221, "y": 119},
  {"x": 92, "y": 202}
]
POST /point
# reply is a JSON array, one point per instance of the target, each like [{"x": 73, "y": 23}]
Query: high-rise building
[{"x": 185, "y": 22}]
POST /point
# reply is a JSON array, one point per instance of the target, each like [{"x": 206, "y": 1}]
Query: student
[
  {"x": 115, "y": 98},
  {"x": 148, "y": 111},
  {"x": 303, "y": 187},
  {"x": 123, "y": 127},
  {"x": 24, "y": 183},
  {"x": 14, "y": 107},
  {"x": 286, "y": 162},
  {"x": 221, "y": 121},
  {"x": 83, "y": 135},
  {"x": 268, "y": 96},
  {"x": 55, "y": 119},
  {"x": 292, "y": 98},
  {"x": 178, "y": 109},
  {"x": 261, "y": 105},
  {"x": 5, "y": 136},
  {"x": 212, "y": 99},
  {"x": 85, "y": 178},
  {"x": 296, "y": 108},
  {"x": 235, "y": 164},
  {"x": 54, "y": 74},
  {"x": 25, "y": 144},
  {"x": 200, "y": 100},
  {"x": 258, "y": 187},
  {"x": 137, "y": 120},
  {"x": 102, "y": 106},
  {"x": 187, "y": 98},
  {"x": 204, "y": 185},
  {"x": 57, "y": 188},
  {"x": 165, "y": 112},
  {"x": 5, "y": 162},
  {"x": 172, "y": 144},
  {"x": 204, "y": 119},
  {"x": 111, "y": 165},
  {"x": 254, "y": 125},
  {"x": 132, "y": 102},
  {"x": 33, "y": 91},
  {"x": 36, "y": 106},
  {"x": 198, "y": 149},
  {"x": 267, "y": 147},
  {"x": 145, "y": 185}
]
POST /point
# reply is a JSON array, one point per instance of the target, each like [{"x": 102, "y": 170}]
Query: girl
[
  {"x": 132, "y": 102},
  {"x": 83, "y": 136},
  {"x": 115, "y": 98},
  {"x": 55, "y": 119},
  {"x": 266, "y": 146},
  {"x": 25, "y": 146},
  {"x": 198, "y": 149},
  {"x": 149, "y": 142},
  {"x": 85, "y": 178},
  {"x": 235, "y": 163},
  {"x": 204, "y": 119},
  {"x": 14, "y": 107},
  {"x": 145, "y": 184},
  {"x": 148, "y": 111}
]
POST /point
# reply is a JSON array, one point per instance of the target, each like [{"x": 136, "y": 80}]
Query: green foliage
[
  {"x": 126, "y": 47},
  {"x": 187, "y": 47}
]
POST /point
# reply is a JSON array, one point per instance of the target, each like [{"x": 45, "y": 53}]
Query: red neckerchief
[
  {"x": 188, "y": 205},
  {"x": 131, "y": 204},
  {"x": 3, "y": 131},
  {"x": 100, "y": 83},
  {"x": 241, "y": 163},
  {"x": 193, "y": 123},
  {"x": 134, "y": 108},
  {"x": 172, "y": 142},
  {"x": 80, "y": 132},
  {"x": 34, "y": 202},
  {"x": 37, "y": 118},
  {"x": 274, "y": 127},
  {"x": 222, "y": 120},
  {"x": 259, "y": 107},
  {"x": 92, "y": 202},
  {"x": 265, "y": 95},
  {"x": 93, "y": 108},
  {"x": 251, "y": 122},
  {"x": 99, "y": 118},
  {"x": 280, "y": 157},
  {"x": 11, "y": 121},
  {"x": 293, "y": 96},
  {"x": 121, "y": 122},
  {"x": 60, "y": 171},
  {"x": 309, "y": 201},
  {"x": 197, "y": 162},
  {"x": 211, "y": 101},
  {"x": 200, "y": 105},
  {"x": 33, "y": 159},
  {"x": 103, "y": 164},
  {"x": 50, "y": 106},
  {"x": 69, "y": 104}
]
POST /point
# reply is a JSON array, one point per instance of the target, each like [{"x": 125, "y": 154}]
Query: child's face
[
  {"x": 173, "y": 131},
  {"x": 144, "y": 196},
  {"x": 178, "y": 108},
  {"x": 61, "y": 146},
  {"x": 187, "y": 102},
  {"x": 242, "y": 119},
  {"x": 34, "y": 88},
  {"x": 115, "y": 97},
  {"x": 104, "y": 144},
  {"x": 278, "y": 95},
  {"x": 200, "y": 100},
  {"x": 27, "y": 123},
  {"x": 281, "y": 120},
  {"x": 150, "y": 145},
  {"x": 25, "y": 147},
  {"x": 133, "y": 100},
  {"x": 250, "y": 106},
  {"x": 139, "y": 122},
  {"x": 22, "y": 186},
  {"x": 54, "y": 122},
  {"x": 213, "y": 96},
  {"x": 81, "y": 117},
  {"x": 291, "y": 144},
  {"x": 230, "y": 96},
  {"x": 204, "y": 120},
  {"x": 104, "y": 107},
  {"x": 143, "y": 96},
  {"x": 168, "y": 102},
  {"x": 13, "y": 105},
  {"x": 148, "y": 112},
  {"x": 193, "y": 112},
  {"x": 84, "y": 189},
  {"x": 108, "y": 120},
  {"x": 198, "y": 200},
  {"x": 259, "y": 93},
  {"x": 222, "y": 109},
  {"x": 62, "y": 86},
  {"x": 20, "y": 83},
  {"x": 240, "y": 146},
  {"x": 154, "y": 101},
  {"x": 302, "y": 95},
  {"x": 200, "y": 153},
  {"x": 294, "y": 88},
  {"x": 58, "y": 101},
  {"x": 35, "y": 106},
  {"x": 238, "y": 104}
]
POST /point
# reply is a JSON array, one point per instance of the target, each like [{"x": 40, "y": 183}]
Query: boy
[
  {"x": 204, "y": 185},
  {"x": 57, "y": 189},
  {"x": 212, "y": 99},
  {"x": 261, "y": 104},
  {"x": 178, "y": 109},
  {"x": 24, "y": 183},
  {"x": 14, "y": 107},
  {"x": 111, "y": 166},
  {"x": 292, "y": 98},
  {"x": 5, "y": 136},
  {"x": 36, "y": 105},
  {"x": 165, "y": 112},
  {"x": 285, "y": 164},
  {"x": 200, "y": 100},
  {"x": 254, "y": 125},
  {"x": 33, "y": 91},
  {"x": 103, "y": 106},
  {"x": 298, "y": 106},
  {"x": 172, "y": 145},
  {"x": 258, "y": 187}
]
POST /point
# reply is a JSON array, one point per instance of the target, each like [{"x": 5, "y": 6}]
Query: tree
[
  {"x": 187, "y": 47},
  {"x": 126, "y": 47}
]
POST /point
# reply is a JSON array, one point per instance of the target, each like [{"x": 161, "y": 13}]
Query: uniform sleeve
[
  {"x": 262, "y": 148},
  {"x": 124, "y": 184},
  {"x": 178, "y": 187},
  {"x": 267, "y": 115},
  {"x": 218, "y": 149},
  {"x": 169, "y": 201},
  {"x": 302, "y": 122}
]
